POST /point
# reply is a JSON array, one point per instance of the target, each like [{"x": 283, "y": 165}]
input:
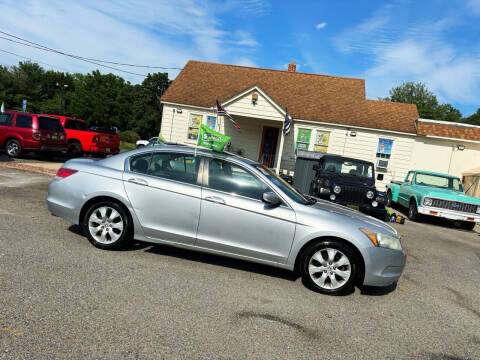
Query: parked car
[
  {"x": 21, "y": 132},
  {"x": 343, "y": 180},
  {"x": 152, "y": 141},
  {"x": 226, "y": 205},
  {"x": 80, "y": 140},
  {"x": 434, "y": 194}
]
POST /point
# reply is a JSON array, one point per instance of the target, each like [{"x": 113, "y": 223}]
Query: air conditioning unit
[{"x": 382, "y": 164}]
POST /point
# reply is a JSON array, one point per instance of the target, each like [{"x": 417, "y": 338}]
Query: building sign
[
  {"x": 384, "y": 146},
  {"x": 194, "y": 125},
  {"x": 211, "y": 122},
  {"x": 303, "y": 139},
  {"x": 321, "y": 141}
]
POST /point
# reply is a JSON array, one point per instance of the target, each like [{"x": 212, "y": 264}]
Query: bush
[{"x": 129, "y": 136}]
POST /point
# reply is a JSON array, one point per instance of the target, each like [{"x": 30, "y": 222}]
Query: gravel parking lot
[{"x": 61, "y": 297}]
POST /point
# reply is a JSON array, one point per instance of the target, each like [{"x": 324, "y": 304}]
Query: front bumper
[
  {"x": 383, "y": 266},
  {"x": 448, "y": 214}
]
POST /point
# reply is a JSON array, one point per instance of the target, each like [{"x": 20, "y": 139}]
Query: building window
[
  {"x": 303, "y": 139},
  {"x": 384, "y": 151},
  {"x": 321, "y": 141},
  {"x": 211, "y": 122},
  {"x": 193, "y": 126}
]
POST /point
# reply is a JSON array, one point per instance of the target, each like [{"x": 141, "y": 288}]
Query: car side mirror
[
  {"x": 379, "y": 177},
  {"x": 271, "y": 199}
]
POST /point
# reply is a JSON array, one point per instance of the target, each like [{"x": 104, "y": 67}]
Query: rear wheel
[
  {"x": 74, "y": 149},
  {"x": 467, "y": 225},
  {"x": 13, "y": 148},
  {"x": 107, "y": 225},
  {"x": 329, "y": 267},
  {"x": 412, "y": 211}
]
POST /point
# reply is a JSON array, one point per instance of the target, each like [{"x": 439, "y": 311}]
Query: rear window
[
  {"x": 75, "y": 125},
  {"x": 5, "y": 119},
  {"x": 47, "y": 123},
  {"x": 23, "y": 121}
]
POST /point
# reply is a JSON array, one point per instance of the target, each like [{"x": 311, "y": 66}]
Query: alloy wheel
[
  {"x": 105, "y": 225},
  {"x": 13, "y": 149},
  {"x": 329, "y": 268}
]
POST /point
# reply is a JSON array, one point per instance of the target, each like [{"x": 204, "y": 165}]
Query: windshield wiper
[{"x": 310, "y": 200}]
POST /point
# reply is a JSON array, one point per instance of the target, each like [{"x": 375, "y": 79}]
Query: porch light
[
  {"x": 460, "y": 147},
  {"x": 254, "y": 98}
]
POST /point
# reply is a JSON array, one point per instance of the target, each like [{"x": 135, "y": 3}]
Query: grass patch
[{"x": 127, "y": 146}]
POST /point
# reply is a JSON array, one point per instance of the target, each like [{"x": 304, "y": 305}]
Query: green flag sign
[{"x": 211, "y": 139}]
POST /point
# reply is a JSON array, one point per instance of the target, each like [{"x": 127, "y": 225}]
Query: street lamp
[{"x": 62, "y": 90}]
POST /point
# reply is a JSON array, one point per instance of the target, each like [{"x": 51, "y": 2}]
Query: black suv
[{"x": 346, "y": 181}]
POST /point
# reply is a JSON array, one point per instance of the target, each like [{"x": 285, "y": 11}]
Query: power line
[
  {"x": 37, "y": 61},
  {"x": 45, "y": 48}
]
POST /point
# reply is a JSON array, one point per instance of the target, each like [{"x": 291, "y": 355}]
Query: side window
[
  {"x": 5, "y": 119},
  {"x": 230, "y": 178},
  {"x": 23, "y": 121},
  {"x": 70, "y": 124},
  {"x": 410, "y": 177},
  {"x": 175, "y": 166},
  {"x": 140, "y": 163}
]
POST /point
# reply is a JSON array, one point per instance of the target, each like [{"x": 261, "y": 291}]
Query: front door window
[{"x": 268, "y": 146}]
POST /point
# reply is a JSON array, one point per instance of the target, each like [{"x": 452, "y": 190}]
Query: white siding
[{"x": 263, "y": 109}]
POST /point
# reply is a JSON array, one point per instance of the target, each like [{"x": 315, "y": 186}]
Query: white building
[{"x": 330, "y": 114}]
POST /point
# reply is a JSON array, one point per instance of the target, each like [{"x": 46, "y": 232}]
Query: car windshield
[
  {"x": 348, "y": 167},
  {"x": 283, "y": 185},
  {"x": 439, "y": 181}
]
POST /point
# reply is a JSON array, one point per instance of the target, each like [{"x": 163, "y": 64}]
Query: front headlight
[
  {"x": 427, "y": 201},
  {"x": 337, "y": 189},
  {"x": 382, "y": 240},
  {"x": 370, "y": 194}
]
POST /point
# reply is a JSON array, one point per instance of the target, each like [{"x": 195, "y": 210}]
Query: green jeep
[{"x": 434, "y": 194}]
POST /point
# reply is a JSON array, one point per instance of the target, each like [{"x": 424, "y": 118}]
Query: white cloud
[
  {"x": 413, "y": 50},
  {"x": 244, "y": 61},
  {"x": 321, "y": 25},
  {"x": 163, "y": 33}
]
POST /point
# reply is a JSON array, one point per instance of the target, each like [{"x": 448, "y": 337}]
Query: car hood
[
  {"x": 451, "y": 195},
  {"x": 369, "y": 221}
]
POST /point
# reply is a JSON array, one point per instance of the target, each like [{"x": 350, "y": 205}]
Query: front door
[
  {"x": 165, "y": 196},
  {"x": 268, "y": 146},
  {"x": 234, "y": 219}
]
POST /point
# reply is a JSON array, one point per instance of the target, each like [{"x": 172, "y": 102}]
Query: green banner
[{"x": 211, "y": 139}]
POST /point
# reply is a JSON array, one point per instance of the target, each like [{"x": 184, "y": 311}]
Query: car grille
[
  {"x": 353, "y": 195},
  {"x": 454, "y": 205}
]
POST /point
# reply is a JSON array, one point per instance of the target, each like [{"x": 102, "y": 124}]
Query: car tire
[
  {"x": 74, "y": 150},
  {"x": 413, "y": 211},
  {"x": 388, "y": 200},
  {"x": 107, "y": 225},
  {"x": 13, "y": 148},
  {"x": 140, "y": 146},
  {"x": 467, "y": 225},
  {"x": 329, "y": 267}
]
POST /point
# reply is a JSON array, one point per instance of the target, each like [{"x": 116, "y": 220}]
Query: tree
[
  {"x": 473, "y": 119},
  {"x": 426, "y": 101}
]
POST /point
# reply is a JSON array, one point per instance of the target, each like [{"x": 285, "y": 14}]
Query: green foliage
[
  {"x": 426, "y": 101},
  {"x": 129, "y": 136},
  {"x": 100, "y": 99},
  {"x": 473, "y": 119},
  {"x": 127, "y": 146}
]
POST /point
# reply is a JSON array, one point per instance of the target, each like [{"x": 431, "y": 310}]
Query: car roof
[
  {"x": 434, "y": 173},
  {"x": 335, "y": 156}
]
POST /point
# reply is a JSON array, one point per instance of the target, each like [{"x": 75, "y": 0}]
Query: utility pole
[{"x": 62, "y": 90}]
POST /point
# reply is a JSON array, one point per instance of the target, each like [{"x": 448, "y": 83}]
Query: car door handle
[
  {"x": 215, "y": 199},
  {"x": 138, "y": 181}
]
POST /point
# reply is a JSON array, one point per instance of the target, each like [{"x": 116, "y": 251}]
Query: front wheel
[
  {"x": 75, "y": 150},
  {"x": 107, "y": 225},
  {"x": 467, "y": 225},
  {"x": 13, "y": 148},
  {"x": 329, "y": 267},
  {"x": 412, "y": 211},
  {"x": 388, "y": 200}
]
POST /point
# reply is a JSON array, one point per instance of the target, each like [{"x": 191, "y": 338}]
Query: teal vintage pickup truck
[{"x": 434, "y": 194}]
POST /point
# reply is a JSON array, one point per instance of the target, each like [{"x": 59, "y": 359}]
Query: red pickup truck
[{"x": 80, "y": 140}]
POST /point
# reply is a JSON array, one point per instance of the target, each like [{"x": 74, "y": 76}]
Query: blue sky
[{"x": 387, "y": 43}]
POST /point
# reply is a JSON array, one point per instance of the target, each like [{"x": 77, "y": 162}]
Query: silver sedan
[{"x": 227, "y": 205}]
